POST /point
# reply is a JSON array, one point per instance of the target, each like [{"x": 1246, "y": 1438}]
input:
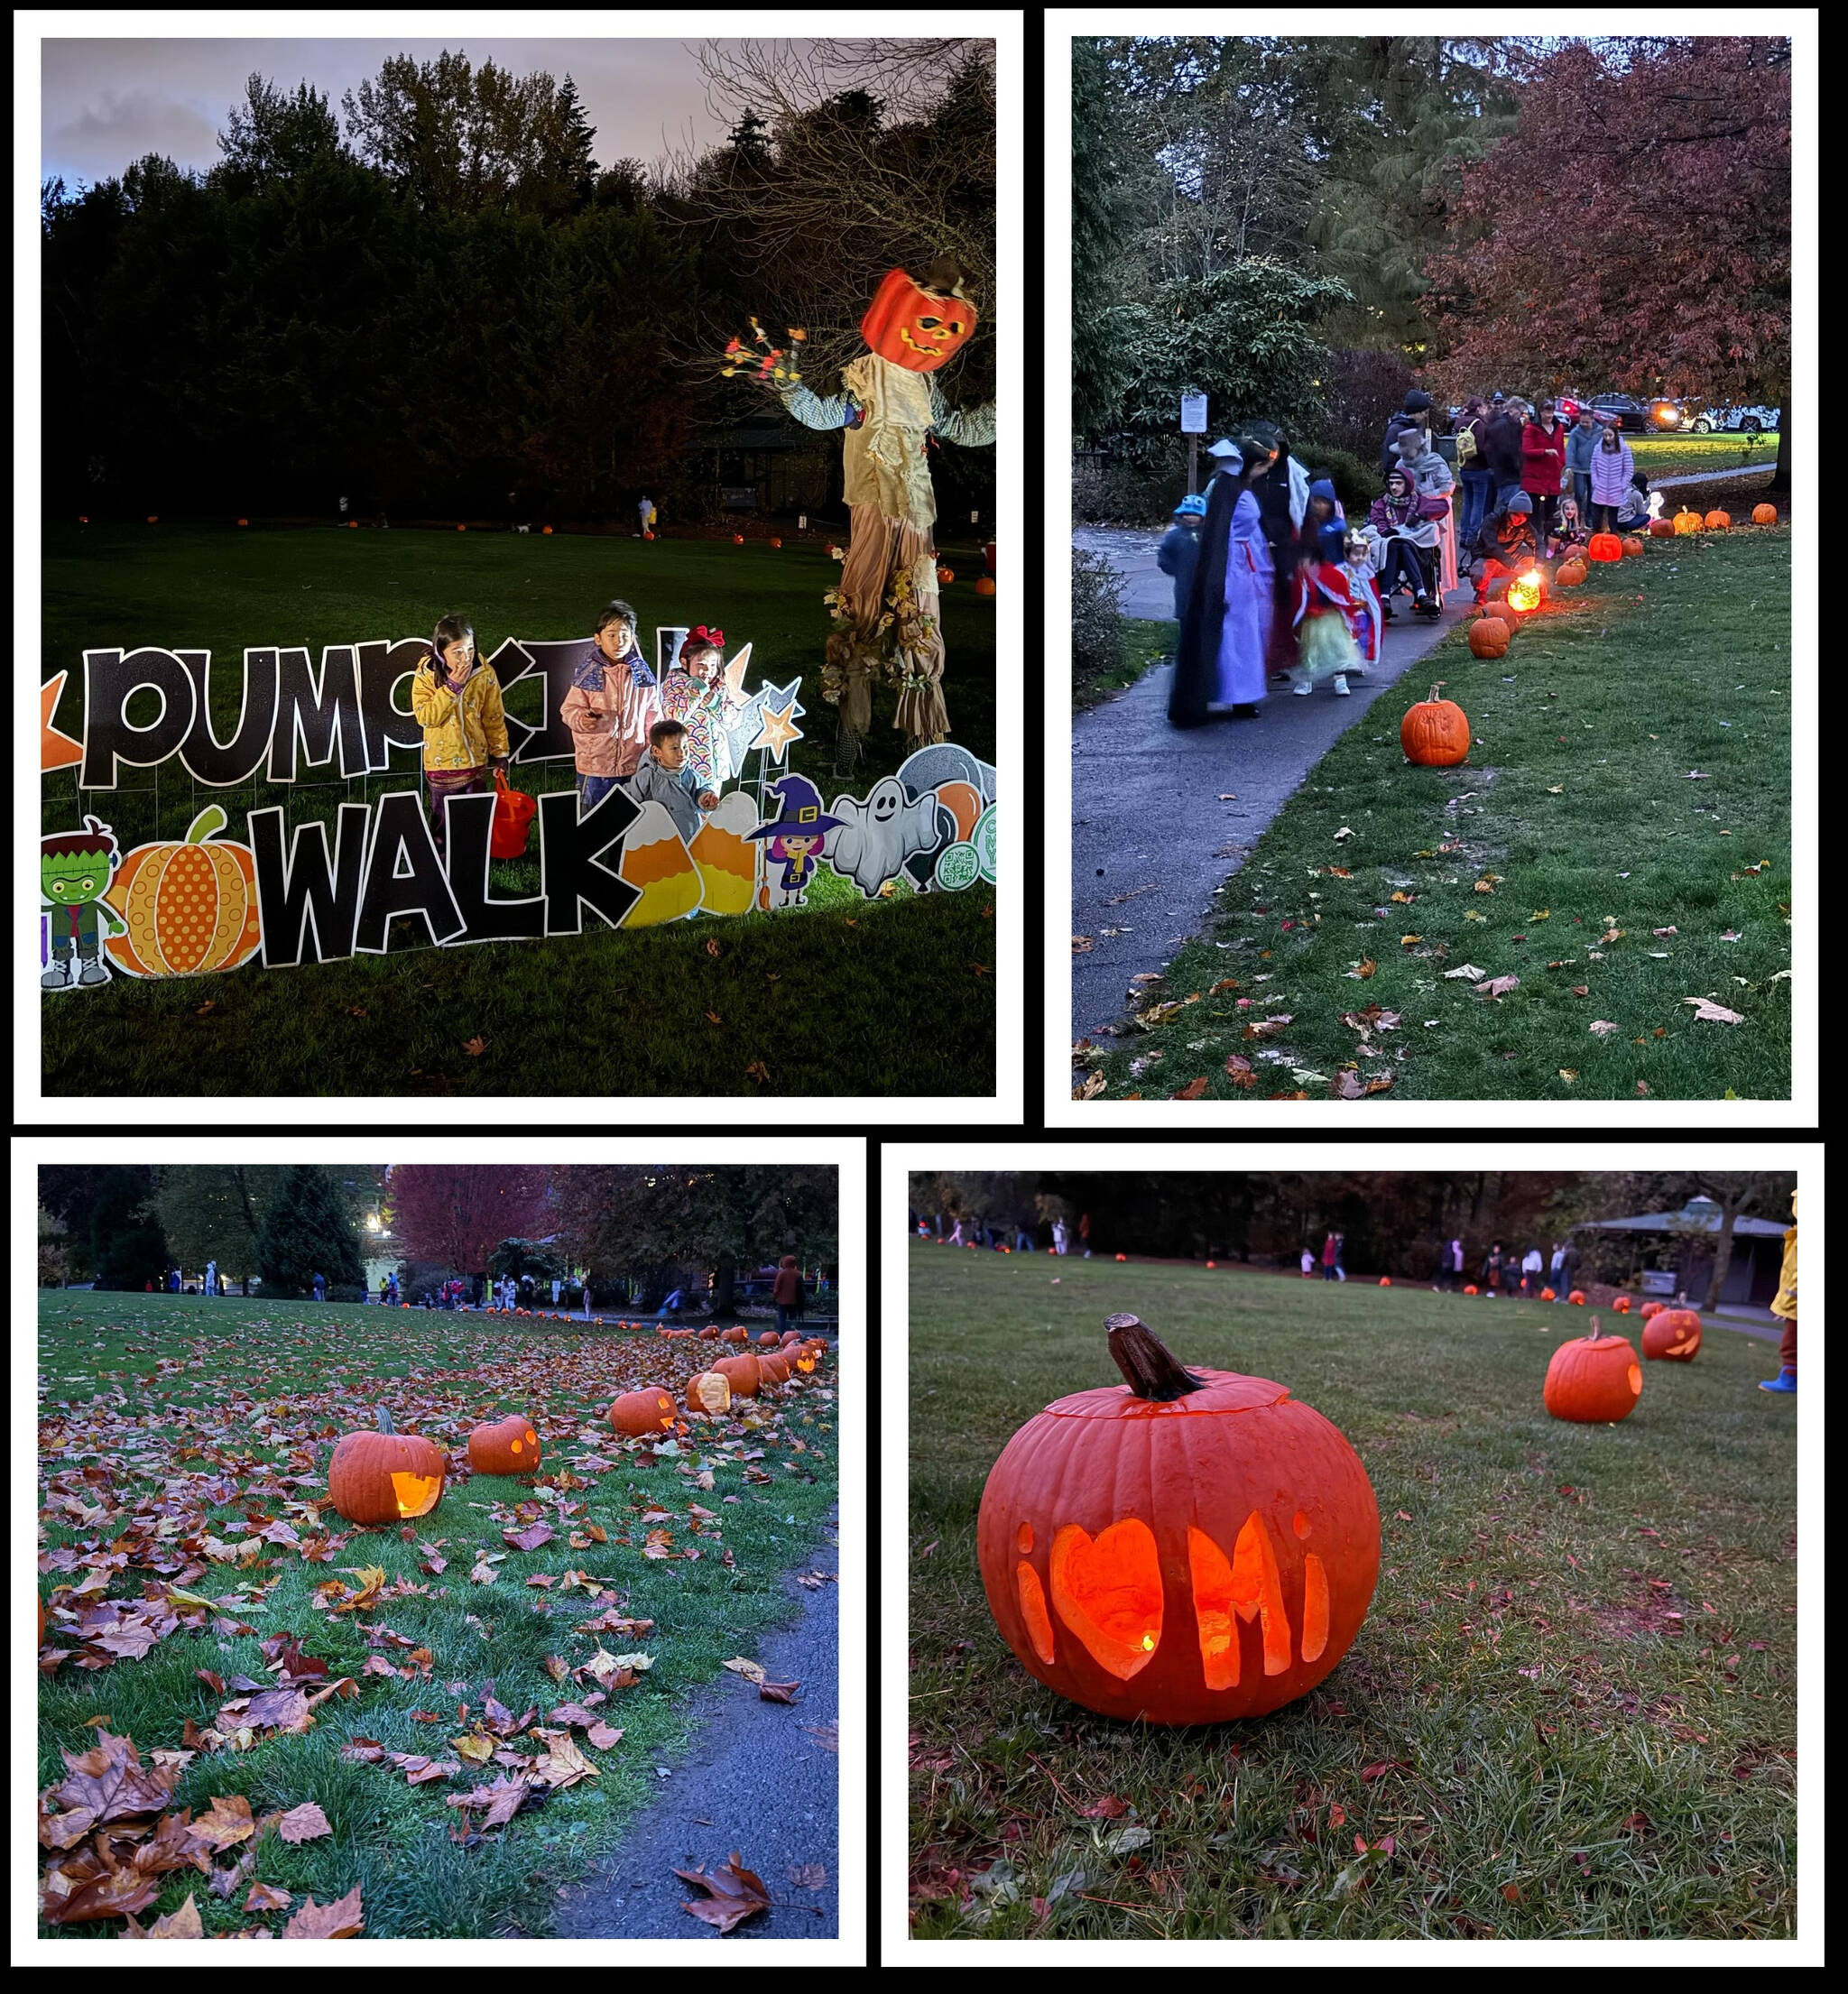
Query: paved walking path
[{"x": 1147, "y": 822}]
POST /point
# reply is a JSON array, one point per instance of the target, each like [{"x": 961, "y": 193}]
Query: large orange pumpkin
[
  {"x": 1434, "y": 733},
  {"x": 737, "y": 1333},
  {"x": 1661, "y": 530},
  {"x": 1686, "y": 522},
  {"x": 1471, "y": 1289},
  {"x": 1488, "y": 637},
  {"x": 1577, "y": 1298},
  {"x": 505, "y": 1446},
  {"x": 643, "y": 1412},
  {"x": 1197, "y": 1547},
  {"x": 1652, "y": 1308},
  {"x": 740, "y": 1373},
  {"x": 1622, "y": 1305},
  {"x": 1764, "y": 515},
  {"x": 384, "y": 1477},
  {"x": 1594, "y": 1378},
  {"x": 191, "y": 907},
  {"x": 1604, "y": 547},
  {"x": 1718, "y": 521},
  {"x": 984, "y": 585},
  {"x": 1547, "y": 1295},
  {"x": 772, "y": 1367},
  {"x": 710, "y": 1392},
  {"x": 1675, "y": 1333},
  {"x": 1571, "y": 575},
  {"x": 1633, "y": 544}
]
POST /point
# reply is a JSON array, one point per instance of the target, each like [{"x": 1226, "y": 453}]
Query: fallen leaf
[
  {"x": 1511, "y": 1891},
  {"x": 1090, "y": 1088},
  {"x": 1568, "y": 1074},
  {"x": 1344, "y": 832},
  {"x": 1602, "y": 1027},
  {"x": 1337, "y": 1814},
  {"x": 1108, "y": 1808},
  {"x": 1380, "y": 1767},
  {"x": 1363, "y": 968},
  {"x": 266, "y": 1897},
  {"x": 342, "y": 1920},
  {"x": 531, "y": 1537},
  {"x": 740, "y": 1666},
  {"x": 778, "y": 1693},
  {"x": 757, "y": 1071},
  {"x": 807, "y": 1876},
  {"x": 1467, "y": 970},
  {"x": 1082, "y": 945},
  {"x": 182, "y": 1924},
  {"x": 1714, "y": 1013},
  {"x": 1497, "y": 986},
  {"x": 225, "y": 1822},
  {"x": 306, "y": 1823},
  {"x": 473, "y": 1048},
  {"x": 1192, "y": 1091},
  {"x": 734, "y": 1894}
]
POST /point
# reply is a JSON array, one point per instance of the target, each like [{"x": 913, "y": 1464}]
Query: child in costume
[
  {"x": 1180, "y": 550},
  {"x": 456, "y": 701},
  {"x": 613, "y": 702},
  {"x": 665, "y": 775},
  {"x": 797, "y": 833},
  {"x": 695, "y": 694},
  {"x": 1325, "y": 612}
]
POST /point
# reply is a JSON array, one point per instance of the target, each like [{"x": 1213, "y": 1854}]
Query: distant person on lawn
[
  {"x": 787, "y": 1293},
  {"x": 320, "y": 1287},
  {"x": 1330, "y": 1254},
  {"x": 1532, "y": 1268},
  {"x": 1180, "y": 550},
  {"x": 1784, "y": 1306},
  {"x": 1478, "y": 481},
  {"x": 1491, "y": 1269},
  {"x": 1640, "y": 506}
]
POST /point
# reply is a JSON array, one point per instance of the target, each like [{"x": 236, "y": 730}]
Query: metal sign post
[{"x": 1193, "y": 426}]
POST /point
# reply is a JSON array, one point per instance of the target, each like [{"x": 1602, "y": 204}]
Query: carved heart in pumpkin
[{"x": 1107, "y": 1591}]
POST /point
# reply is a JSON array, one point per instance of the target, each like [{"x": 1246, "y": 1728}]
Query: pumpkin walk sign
[{"x": 213, "y": 901}]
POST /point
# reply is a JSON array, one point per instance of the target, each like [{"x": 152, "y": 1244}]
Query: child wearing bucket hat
[
  {"x": 796, "y": 830},
  {"x": 1180, "y": 550}
]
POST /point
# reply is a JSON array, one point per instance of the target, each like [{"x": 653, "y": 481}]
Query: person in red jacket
[
  {"x": 787, "y": 1292},
  {"x": 1543, "y": 465}
]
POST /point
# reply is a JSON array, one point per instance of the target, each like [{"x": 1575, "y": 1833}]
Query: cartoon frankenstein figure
[
  {"x": 885, "y": 618},
  {"x": 75, "y": 868}
]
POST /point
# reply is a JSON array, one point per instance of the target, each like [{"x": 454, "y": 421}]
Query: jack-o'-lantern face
[
  {"x": 1203, "y": 1553},
  {"x": 913, "y": 326}
]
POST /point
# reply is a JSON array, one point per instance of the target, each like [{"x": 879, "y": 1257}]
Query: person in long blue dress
[
  {"x": 1244, "y": 637},
  {"x": 1220, "y": 658}
]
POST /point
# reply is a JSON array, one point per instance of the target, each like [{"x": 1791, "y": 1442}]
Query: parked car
[
  {"x": 1627, "y": 412},
  {"x": 1752, "y": 419}
]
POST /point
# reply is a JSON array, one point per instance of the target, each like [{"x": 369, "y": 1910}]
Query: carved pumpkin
[
  {"x": 792, "y": 1336},
  {"x": 1577, "y": 1298},
  {"x": 984, "y": 585},
  {"x": 1571, "y": 573},
  {"x": 1525, "y": 591},
  {"x": 505, "y": 1447},
  {"x": 1199, "y": 1546},
  {"x": 191, "y": 907},
  {"x": 1471, "y": 1289},
  {"x": 1547, "y": 1295},
  {"x": 1385, "y": 1280},
  {"x": 802, "y": 1359},
  {"x": 916, "y": 327},
  {"x": 737, "y": 1334},
  {"x": 1688, "y": 522},
  {"x": 636, "y": 1413},
  {"x": 1622, "y": 1305},
  {"x": 769, "y": 1340},
  {"x": 1674, "y": 1333},
  {"x": 1594, "y": 1378},
  {"x": 1764, "y": 515},
  {"x": 1661, "y": 530},
  {"x": 1718, "y": 521},
  {"x": 709, "y": 1334},
  {"x": 772, "y": 1367},
  {"x": 382, "y": 1477},
  {"x": 710, "y": 1392},
  {"x": 1488, "y": 637},
  {"x": 1632, "y": 544},
  {"x": 1604, "y": 547},
  {"x": 1652, "y": 1308},
  {"x": 946, "y": 576},
  {"x": 1434, "y": 733},
  {"x": 740, "y": 1373}
]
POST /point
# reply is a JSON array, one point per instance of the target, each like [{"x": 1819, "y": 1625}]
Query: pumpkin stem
[
  {"x": 1150, "y": 1368},
  {"x": 208, "y": 824},
  {"x": 385, "y": 1420},
  {"x": 1596, "y": 1331}
]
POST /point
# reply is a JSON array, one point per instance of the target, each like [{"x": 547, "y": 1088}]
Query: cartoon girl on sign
[{"x": 797, "y": 832}]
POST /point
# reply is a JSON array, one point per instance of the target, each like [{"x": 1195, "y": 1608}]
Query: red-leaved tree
[
  {"x": 455, "y": 1215},
  {"x": 1633, "y": 232}
]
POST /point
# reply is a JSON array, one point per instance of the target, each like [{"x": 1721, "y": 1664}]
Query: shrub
[
  {"x": 1097, "y": 622},
  {"x": 1361, "y": 387},
  {"x": 1357, "y": 481}
]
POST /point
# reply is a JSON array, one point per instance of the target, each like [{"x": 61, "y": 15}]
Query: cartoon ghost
[{"x": 877, "y": 836}]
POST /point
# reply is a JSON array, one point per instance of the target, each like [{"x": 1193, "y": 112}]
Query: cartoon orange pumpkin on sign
[
  {"x": 191, "y": 907},
  {"x": 1197, "y": 1547}
]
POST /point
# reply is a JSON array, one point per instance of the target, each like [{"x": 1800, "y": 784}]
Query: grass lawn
[
  {"x": 1729, "y": 450},
  {"x": 1572, "y": 1706},
  {"x": 184, "y": 1444},
  {"x": 853, "y": 998},
  {"x": 1576, "y": 815},
  {"x": 1144, "y": 645}
]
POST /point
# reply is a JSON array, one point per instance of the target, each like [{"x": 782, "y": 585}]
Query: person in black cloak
[{"x": 1196, "y": 659}]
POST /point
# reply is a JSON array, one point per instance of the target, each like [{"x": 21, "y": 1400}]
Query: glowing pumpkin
[
  {"x": 1434, "y": 733},
  {"x": 1471, "y": 1289},
  {"x": 1577, "y": 1298},
  {"x": 776, "y": 543},
  {"x": 243, "y": 523},
  {"x": 984, "y": 585},
  {"x": 1488, "y": 637},
  {"x": 636, "y": 1413},
  {"x": 1197, "y": 1547},
  {"x": 1547, "y": 1295},
  {"x": 737, "y": 540},
  {"x": 1675, "y": 1333},
  {"x": 1622, "y": 1305},
  {"x": 546, "y": 531},
  {"x": 1571, "y": 573},
  {"x": 191, "y": 906},
  {"x": 380, "y": 1478},
  {"x": 1385, "y": 1280},
  {"x": 946, "y": 576},
  {"x": 1764, "y": 515},
  {"x": 1718, "y": 521},
  {"x": 916, "y": 326},
  {"x": 1524, "y": 592},
  {"x": 505, "y": 1446},
  {"x": 737, "y": 1334},
  {"x": 1593, "y": 1379},
  {"x": 710, "y": 1392},
  {"x": 1604, "y": 547},
  {"x": 1688, "y": 522},
  {"x": 1652, "y": 1308}
]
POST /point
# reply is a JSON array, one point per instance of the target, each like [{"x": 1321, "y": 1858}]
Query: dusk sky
[{"x": 105, "y": 104}]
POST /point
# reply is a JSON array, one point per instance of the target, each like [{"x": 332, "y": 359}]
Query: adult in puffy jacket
[
  {"x": 1498, "y": 442},
  {"x": 1543, "y": 465},
  {"x": 1612, "y": 466},
  {"x": 1581, "y": 440},
  {"x": 1415, "y": 414},
  {"x": 787, "y": 1292}
]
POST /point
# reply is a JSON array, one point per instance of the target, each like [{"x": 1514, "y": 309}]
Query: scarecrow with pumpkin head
[{"x": 885, "y": 610}]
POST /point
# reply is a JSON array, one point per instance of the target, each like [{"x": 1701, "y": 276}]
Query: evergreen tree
[
  {"x": 308, "y": 1230},
  {"x": 128, "y": 1247},
  {"x": 750, "y": 136},
  {"x": 1098, "y": 370},
  {"x": 577, "y": 160}
]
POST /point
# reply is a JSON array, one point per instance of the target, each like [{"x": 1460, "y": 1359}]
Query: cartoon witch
[
  {"x": 797, "y": 832},
  {"x": 75, "y": 868}
]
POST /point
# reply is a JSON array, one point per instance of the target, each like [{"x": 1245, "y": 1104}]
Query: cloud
[{"x": 119, "y": 127}]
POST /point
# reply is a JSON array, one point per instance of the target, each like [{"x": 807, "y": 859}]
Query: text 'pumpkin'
[{"x": 1197, "y": 1547}]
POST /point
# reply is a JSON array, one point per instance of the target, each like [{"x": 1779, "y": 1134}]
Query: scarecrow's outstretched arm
[
  {"x": 815, "y": 412},
  {"x": 972, "y": 428}
]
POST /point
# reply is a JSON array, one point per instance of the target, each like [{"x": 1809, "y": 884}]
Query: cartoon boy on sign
[{"x": 74, "y": 872}]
